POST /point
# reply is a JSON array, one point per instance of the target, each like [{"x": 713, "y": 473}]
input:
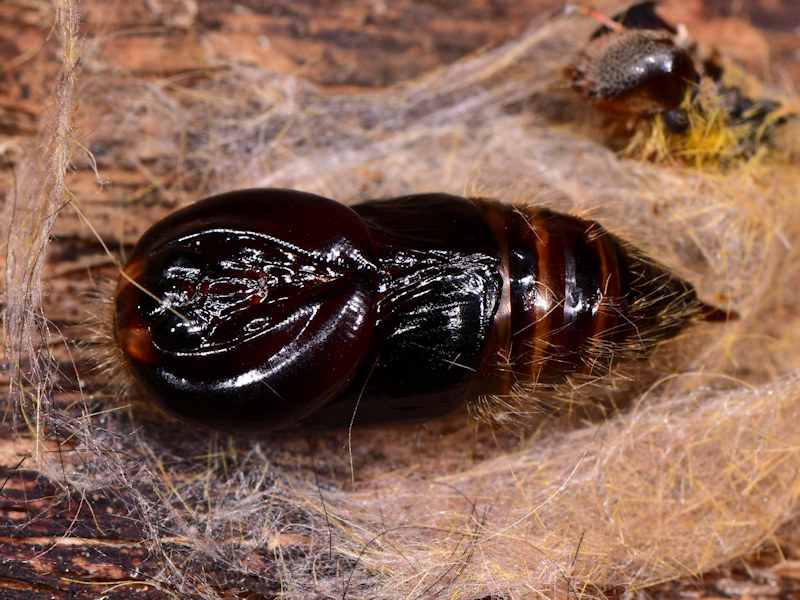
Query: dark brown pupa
[{"x": 279, "y": 310}]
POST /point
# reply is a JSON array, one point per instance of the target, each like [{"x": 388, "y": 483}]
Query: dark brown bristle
[{"x": 712, "y": 314}]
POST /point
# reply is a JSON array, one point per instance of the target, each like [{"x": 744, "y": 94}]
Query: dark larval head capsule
[
  {"x": 633, "y": 66},
  {"x": 278, "y": 310},
  {"x": 636, "y": 65},
  {"x": 634, "y": 73}
]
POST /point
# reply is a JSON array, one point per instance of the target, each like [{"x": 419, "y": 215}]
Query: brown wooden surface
[{"x": 55, "y": 542}]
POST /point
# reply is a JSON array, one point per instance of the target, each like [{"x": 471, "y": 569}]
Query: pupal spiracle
[{"x": 275, "y": 310}]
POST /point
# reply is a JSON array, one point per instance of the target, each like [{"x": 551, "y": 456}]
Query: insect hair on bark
[
  {"x": 696, "y": 470},
  {"x": 102, "y": 350}
]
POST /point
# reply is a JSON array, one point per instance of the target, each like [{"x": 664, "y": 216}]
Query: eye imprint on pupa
[{"x": 272, "y": 310}]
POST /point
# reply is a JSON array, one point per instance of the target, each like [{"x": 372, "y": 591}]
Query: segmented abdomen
[{"x": 576, "y": 298}]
